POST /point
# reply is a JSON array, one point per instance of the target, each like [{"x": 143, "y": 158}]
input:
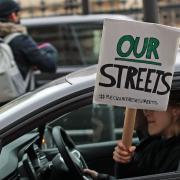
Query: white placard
[{"x": 136, "y": 64}]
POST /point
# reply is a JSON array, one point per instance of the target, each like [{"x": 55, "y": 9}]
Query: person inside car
[
  {"x": 158, "y": 153},
  {"x": 26, "y": 52}
]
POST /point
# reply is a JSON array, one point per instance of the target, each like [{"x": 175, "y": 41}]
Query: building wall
[
  {"x": 33, "y": 8},
  {"x": 53, "y": 7}
]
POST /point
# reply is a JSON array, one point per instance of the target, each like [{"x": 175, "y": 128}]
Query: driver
[{"x": 158, "y": 153}]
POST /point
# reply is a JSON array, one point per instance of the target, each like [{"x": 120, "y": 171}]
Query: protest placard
[{"x": 136, "y": 65}]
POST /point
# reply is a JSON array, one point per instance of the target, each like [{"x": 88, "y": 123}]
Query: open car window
[{"x": 90, "y": 124}]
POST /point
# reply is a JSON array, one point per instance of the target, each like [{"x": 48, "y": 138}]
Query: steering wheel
[{"x": 72, "y": 157}]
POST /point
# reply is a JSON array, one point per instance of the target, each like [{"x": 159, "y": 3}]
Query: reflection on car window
[
  {"x": 77, "y": 44},
  {"x": 92, "y": 123}
]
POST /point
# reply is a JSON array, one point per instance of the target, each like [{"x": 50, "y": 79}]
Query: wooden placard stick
[{"x": 128, "y": 128}]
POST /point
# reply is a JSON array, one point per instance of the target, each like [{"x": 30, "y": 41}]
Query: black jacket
[
  {"x": 27, "y": 55},
  {"x": 154, "y": 155}
]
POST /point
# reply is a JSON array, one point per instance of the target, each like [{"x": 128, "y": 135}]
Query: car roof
[
  {"x": 49, "y": 93},
  {"x": 74, "y": 82},
  {"x": 81, "y": 79},
  {"x": 41, "y": 21},
  {"x": 85, "y": 74}
]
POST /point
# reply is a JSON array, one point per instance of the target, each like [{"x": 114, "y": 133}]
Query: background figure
[
  {"x": 49, "y": 50},
  {"x": 26, "y": 52}
]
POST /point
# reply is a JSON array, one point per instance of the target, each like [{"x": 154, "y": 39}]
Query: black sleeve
[
  {"x": 43, "y": 60},
  {"x": 121, "y": 171},
  {"x": 142, "y": 161},
  {"x": 105, "y": 177},
  {"x": 126, "y": 170}
]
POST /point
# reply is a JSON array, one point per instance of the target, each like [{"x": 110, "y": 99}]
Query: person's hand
[
  {"x": 90, "y": 172},
  {"x": 122, "y": 154}
]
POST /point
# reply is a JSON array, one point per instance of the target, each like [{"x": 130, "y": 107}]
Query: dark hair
[
  {"x": 174, "y": 97},
  {"x": 7, "y": 7}
]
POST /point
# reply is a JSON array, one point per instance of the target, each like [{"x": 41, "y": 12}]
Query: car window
[
  {"x": 77, "y": 44},
  {"x": 90, "y": 124}
]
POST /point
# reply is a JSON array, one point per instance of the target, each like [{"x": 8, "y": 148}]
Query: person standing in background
[{"x": 26, "y": 52}]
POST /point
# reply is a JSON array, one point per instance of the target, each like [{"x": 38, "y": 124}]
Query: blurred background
[
  {"x": 74, "y": 27},
  {"x": 169, "y": 10}
]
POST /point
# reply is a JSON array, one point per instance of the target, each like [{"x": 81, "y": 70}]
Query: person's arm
[
  {"x": 122, "y": 154},
  {"x": 35, "y": 56},
  {"x": 98, "y": 176},
  {"x": 124, "y": 160},
  {"x": 123, "y": 157}
]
